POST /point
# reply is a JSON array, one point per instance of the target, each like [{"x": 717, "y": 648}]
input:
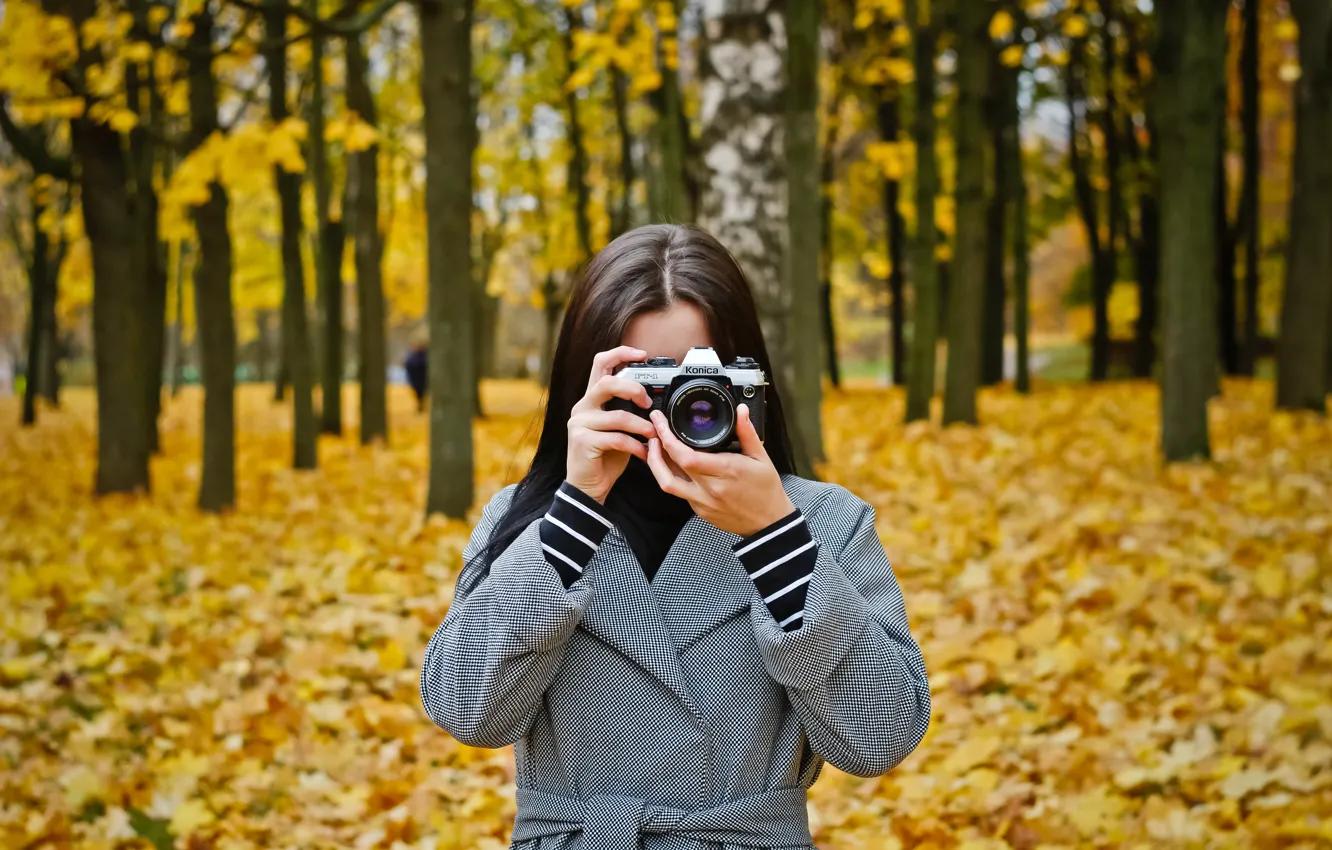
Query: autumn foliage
[{"x": 1121, "y": 655}]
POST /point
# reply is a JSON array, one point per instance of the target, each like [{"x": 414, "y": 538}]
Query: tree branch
[{"x": 33, "y": 148}]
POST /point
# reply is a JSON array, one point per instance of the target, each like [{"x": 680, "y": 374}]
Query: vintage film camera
[{"x": 699, "y": 396}]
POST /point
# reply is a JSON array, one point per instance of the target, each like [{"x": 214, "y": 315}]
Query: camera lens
[{"x": 701, "y": 414}]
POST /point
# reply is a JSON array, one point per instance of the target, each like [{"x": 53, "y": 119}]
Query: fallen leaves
[{"x": 1120, "y": 655}]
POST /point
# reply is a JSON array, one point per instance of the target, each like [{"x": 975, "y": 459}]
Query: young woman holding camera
[{"x": 675, "y": 641}]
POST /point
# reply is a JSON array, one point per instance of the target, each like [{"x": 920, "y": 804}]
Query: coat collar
[{"x": 699, "y": 585}]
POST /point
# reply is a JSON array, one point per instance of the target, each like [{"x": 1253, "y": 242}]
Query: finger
[
  {"x": 604, "y": 442},
  {"x": 605, "y": 362},
  {"x": 750, "y": 444},
  {"x": 690, "y": 460},
  {"x": 608, "y": 387},
  {"x": 613, "y": 420},
  {"x": 668, "y": 480}
]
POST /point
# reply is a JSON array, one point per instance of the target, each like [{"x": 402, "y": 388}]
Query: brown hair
[{"x": 645, "y": 270}]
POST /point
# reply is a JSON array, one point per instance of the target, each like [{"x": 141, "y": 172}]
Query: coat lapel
[
  {"x": 623, "y": 612},
  {"x": 701, "y": 583}
]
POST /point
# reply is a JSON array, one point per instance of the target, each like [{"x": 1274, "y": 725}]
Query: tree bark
[
  {"x": 39, "y": 293},
  {"x": 1249, "y": 215},
  {"x": 177, "y": 338},
  {"x": 968, "y": 285},
  {"x": 214, "y": 316},
  {"x": 446, "y": 67},
  {"x": 827, "y": 251},
  {"x": 295, "y": 324},
  {"x": 804, "y": 218},
  {"x": 623, "y": 216},
  {"x": 120, "y": 314},
  {"x": 673, "y": 195},
  {"x": 328, "y": 278},
  {"x": 1102, "y": 255},
  {"x": 992, "y": 327},
  {"x": 577, "y": 180},
  {"x": 362, "y": 214},
  {"x": 889, "y": 114},
  {"x": 1302, "y": 346},
  {"x": 745, "y": 200},
  {"x": 925, "y": 330},
  {"x": 1191, "y": 63},
  {"x": 140, "y": 79},
  {"x": 1021, "y": 250},
  {"x": 1147, "y": 246},
  {"x": 1227, "y": 341},
  {"x": 1109, "y": 120}
]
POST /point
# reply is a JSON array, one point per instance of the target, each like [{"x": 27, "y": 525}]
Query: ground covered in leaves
[{"x": 1121, "y": 656}]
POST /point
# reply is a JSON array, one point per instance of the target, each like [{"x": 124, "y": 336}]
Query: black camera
[{"x": 699, "y": 396}]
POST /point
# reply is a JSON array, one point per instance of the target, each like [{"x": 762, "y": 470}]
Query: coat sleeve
[
  {"x": 488, "y": 665},
  {"x": 851, "y": 669}
]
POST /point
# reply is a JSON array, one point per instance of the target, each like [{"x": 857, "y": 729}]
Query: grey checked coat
[{"x": 677, "y": 715}]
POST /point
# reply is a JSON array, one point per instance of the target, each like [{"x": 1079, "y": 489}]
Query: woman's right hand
[{"x": 599, "y": 440}]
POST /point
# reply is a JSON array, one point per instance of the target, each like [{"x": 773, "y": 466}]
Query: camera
[{"x": 699, "y": 396}]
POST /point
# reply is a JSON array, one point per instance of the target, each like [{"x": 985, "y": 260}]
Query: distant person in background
[{"x": 415, "y": 364}]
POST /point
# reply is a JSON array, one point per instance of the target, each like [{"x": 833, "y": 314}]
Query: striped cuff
[
  {"x": 780, "y": 559},
  {"x": 572, "y": 531}
]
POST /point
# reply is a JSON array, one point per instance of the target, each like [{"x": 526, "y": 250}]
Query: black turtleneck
[{"x": 649, "y": 518}]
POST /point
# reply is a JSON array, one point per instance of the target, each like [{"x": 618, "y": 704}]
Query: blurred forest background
[
  {"x": 1010, "y": 255},
  {"x": 250, "y": 190}
]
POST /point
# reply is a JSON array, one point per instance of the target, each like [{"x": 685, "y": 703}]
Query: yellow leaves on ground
[{"x": 1120, "y": 655}]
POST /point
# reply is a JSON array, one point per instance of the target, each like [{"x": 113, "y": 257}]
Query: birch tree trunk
[{"x": 744, "y": 199}]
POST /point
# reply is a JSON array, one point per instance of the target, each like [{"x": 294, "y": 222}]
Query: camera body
[{"x": 699, "y": 397}]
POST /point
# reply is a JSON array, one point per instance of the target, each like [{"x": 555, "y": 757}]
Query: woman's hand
[
  {"x": 599, "y": 446},
  {"x": 739, "y": 493}
]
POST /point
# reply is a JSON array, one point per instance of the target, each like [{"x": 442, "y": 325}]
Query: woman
[{"x": 674, "y": 641}]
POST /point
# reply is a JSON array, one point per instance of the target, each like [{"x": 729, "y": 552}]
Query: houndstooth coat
[{"x": 676, "y": 714}]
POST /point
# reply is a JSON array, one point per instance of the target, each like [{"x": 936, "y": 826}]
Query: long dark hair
[{"x": 643, "y": 271}]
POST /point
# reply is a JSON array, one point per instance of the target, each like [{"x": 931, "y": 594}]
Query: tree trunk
[
  {"x": 120, "y": 310},
  {"x": 745, "y": 200},
  {"x": 1147, "y": 246},
  {"x": 1249, "y": 215},
  {"x": 1109, "y": 119},
  {"x": 328, "y": 278},
  {"x": 139, "y": 80},
  {"x": 295, "y": 324},
  {"x": 1302, "y": 346},
  {"x": 1102, "y": 256},
  {"x": 1191, "y": 63},
  {"x": 890, "y": 124},
  {"x": 623, "y": 216},
  {"x": 826, "y": 253},
  {"x": 214, "y": 317},
  {"x": 578, "y": 152},
  {"x": 804, "y": 219},
  {"x": 673, "y": 194},
  {"x": 446, "y": 68},
  {"x": 1227, "y": 342},
  {"x": 965, "y": 301},
  {"x": 39, "y": 293},
  {"x": 992, "y": 327},
  {"x": 362, "y": 214},
  {"x": 925, "y": 330},
  {"x": 177, "y": 346},
  {"x": 1021, "y": 252}
]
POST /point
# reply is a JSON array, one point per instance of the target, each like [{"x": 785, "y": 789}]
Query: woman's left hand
[{"x": 740, "y": 493}]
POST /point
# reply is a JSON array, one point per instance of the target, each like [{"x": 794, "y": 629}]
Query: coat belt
[{"x": 775, "y": 818}]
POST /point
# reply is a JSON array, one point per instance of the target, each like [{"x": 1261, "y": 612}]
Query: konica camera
[{"x": 699, "y": 396}]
